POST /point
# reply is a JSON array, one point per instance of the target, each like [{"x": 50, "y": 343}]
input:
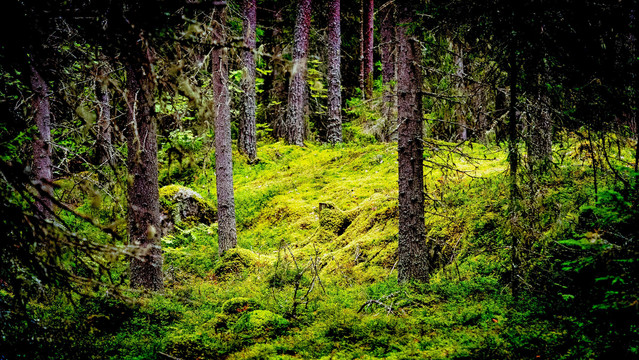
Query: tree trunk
[
  {"x": 513, "y": 162},
  {"x": 367, "y": 39},
  {"x": 389, "y": 57},
  {"x": 462, "y": 128},
  {"x": 334, "y": 128},
  {"x": 227, "y": 237},
  {"x": 247, "y": 141},
  {"x": 388, "y": 50},
  {"x": 297, "y": 94},
  {"x": 540, "y": 137},
  {"x": 277, "y": 95},
  {"x": 42, "y": 167},
  {"x": 413, "y": 256},
  {"x": 142, "y": 164},
  {"x": 362, "y": 77},
  {"x": 104, "y": 147}
]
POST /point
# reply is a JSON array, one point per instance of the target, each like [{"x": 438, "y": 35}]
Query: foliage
[{"x": 303, "y": 285}]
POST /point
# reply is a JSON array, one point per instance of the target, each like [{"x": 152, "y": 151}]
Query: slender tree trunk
[
  {"x": 367, "y": 58},
  {"x": 227, "y": 236},
  {"x": 413, "y": 256},
  {"x": 389, "y": 57},
  {"x": 104, "y": 146},
  {"x": 42, "y": 167},
  {"x": 247, "y": 140},
  {"x": 297, "y": 94},
  {"x": 513, "y": 162},
  {"x": 540, "y": 137},
  {"x": 142, "y": 164},
  {"x": 277, "y": 94},
  {"x": 462, "y": 128},
  {"x": 334, "y": 128},
  {"x": 362, "y": 77}
]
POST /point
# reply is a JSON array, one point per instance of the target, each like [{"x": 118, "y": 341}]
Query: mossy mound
[
  {"x": 260, "y": 323},
  {"x": 235, "y": 261},
  {"x": 232, "y": 310},
  {"x": 332, "y": 219},
  {"x": 239, "y": 305},
  {"x": 184, "y": 206}
]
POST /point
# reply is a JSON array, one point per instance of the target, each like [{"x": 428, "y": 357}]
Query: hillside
[{"x": 314, "y": 272}]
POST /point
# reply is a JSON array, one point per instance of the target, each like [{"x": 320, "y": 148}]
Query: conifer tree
[
  {"x": 297, "y": 95},
  {"x": 227, "y": 233}
]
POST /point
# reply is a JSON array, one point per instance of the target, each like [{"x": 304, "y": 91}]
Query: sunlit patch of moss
[
  {"x": 259, "y": 324},
  {"x": 235, "y": 261}
]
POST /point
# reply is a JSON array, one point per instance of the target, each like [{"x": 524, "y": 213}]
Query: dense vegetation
[{"x": 530, "y": 180}]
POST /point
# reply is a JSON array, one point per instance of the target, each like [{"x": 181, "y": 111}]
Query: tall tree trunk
[
  {"x": 104, "y": 146},
  {"x": 247, "y": 141},
  {"x": 462, "y": 128},
  {"x": 277, "y": 94},
  {"x": 413, "y": 256},
  {"x": 334, "y": 128},
  {"x": 540, "y": 137},
  {"x": 389, "y": 58},
  {"x": 513, "y": 161},
  {"x": 142, "y": 164},
  {"x": 42, "y": 167},
  {"x": 227, "y": 236},
  {"x": 362, "y": 77},
  {"x": 297, "y": 94},
  {"x": 367, "y": 58}
]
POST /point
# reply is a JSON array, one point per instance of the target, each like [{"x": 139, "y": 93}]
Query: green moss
[
  {"x": 235, "y": 261},
  {"x": 332, "y": 219},
  {"x": 185, "y": 207},
  {"x": 239, "y": 305},
  {"x": 260, "y": 324}
]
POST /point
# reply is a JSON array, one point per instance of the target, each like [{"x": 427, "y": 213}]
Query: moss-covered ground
[{"x": 314, "y": 275}]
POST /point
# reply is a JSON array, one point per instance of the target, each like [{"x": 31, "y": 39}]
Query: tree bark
[
  {"x": 462, "y": 128},
  {"x": 142, "y": 164},
  {"x": 389, "y": 57},
  {"x": 297, "y": 95},
  {"x": 277, "y": 94},
  {"x": 227, "y": 236},
  {"x": 42, "y": 166},
  {"x": 334, "y": 128},
  {"x": 367, "y": 39},
  {"x": 413, "y": 256},
  {"x": 540, "y": 137},
  {"x": 104, "y": 146},
  {"x": 513, "y": 160},
  {"x": 247, "y": 139}
]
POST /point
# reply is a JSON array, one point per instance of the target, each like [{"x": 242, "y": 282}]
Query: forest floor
[{"x": 314, "y": 274}]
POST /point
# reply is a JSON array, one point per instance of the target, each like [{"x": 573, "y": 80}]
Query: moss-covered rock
[
  {"x": 235, "y": 261},
  {"x": 259, "y": 324},
  {"x": 181, "y": 205}
]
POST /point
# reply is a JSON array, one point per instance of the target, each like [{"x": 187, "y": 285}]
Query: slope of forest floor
[{"x": 314, "y": 274}]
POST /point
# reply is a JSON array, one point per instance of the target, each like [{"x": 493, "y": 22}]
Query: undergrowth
[{"x": 314, "y": 275}]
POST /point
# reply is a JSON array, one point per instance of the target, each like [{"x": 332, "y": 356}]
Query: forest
[{"x": 278, "y": 179}]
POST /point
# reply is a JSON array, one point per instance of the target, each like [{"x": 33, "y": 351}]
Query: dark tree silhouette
[{"x": 368, "y": 11}]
